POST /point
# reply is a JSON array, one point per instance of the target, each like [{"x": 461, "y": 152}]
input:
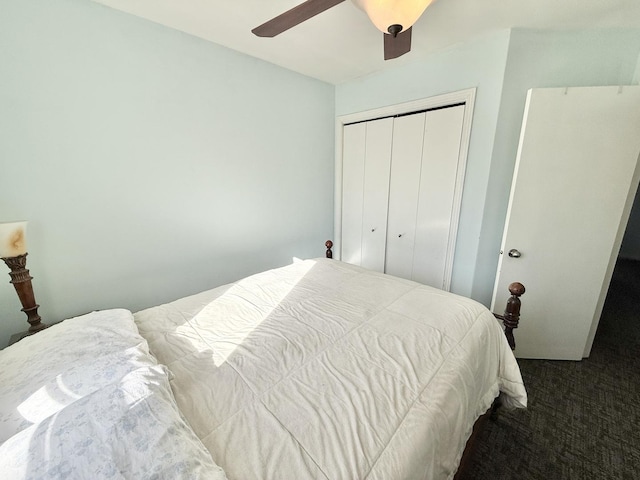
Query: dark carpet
[{"x": 583, "y": 419}]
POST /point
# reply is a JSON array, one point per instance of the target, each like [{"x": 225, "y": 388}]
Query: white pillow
[
  {"x": 45, "y": 372},
  {"x": 130, "y": 429}
]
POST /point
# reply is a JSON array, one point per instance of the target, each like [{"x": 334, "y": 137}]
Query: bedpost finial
[
  {"x": 517, "y": 289},
  {"x": 329, "y": 245}
]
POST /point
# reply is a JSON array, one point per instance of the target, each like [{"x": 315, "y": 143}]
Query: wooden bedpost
[
  {"x": 329, "y": 244},
  {"x": 511, "y": 316},
  {"x": 510, "y": 319}
]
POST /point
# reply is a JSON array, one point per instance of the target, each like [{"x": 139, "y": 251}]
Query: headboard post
[{"x": 329, "y": 244}]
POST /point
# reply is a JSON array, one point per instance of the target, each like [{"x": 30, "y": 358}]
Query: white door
[
  {"x": 367, "y": 161},
  {"x": 437, "y": 217},
  {"x": 573, "y": 187},
  {"x": 424, "y": 172},
  {"x": 353, "y": 191},
  {"x": 404, "y": 189},
  {"x": 376, "y": 193}
]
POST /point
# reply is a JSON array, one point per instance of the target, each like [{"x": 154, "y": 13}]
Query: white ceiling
[{"x": 341, "y": 44}]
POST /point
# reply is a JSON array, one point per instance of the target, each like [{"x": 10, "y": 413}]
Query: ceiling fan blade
[
  {"x": 293, "y": 17},
  {"x": 397, "y": 46}
]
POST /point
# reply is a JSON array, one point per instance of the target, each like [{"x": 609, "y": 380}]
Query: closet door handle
[
  {"x": 400, "y": 235},
  {"x": 373, "y": 229}
]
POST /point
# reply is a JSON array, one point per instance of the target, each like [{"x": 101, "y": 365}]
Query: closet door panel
[
  {"x": 441, "y": 150},
  {"x": 404, "y": 186},
  {"x": 376, "y": 192},
  {"x": 353, "y": 154}
]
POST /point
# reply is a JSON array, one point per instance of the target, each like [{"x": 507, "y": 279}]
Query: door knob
[{"x": 513, "y": 253}]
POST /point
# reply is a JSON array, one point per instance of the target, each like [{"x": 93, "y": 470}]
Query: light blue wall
[
  {"x": 478, "y": 64},
  {"x": 151, "y": 164}
]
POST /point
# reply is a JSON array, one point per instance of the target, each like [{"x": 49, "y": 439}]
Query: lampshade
[
  {"x": 13, "y": 240},
  {"x": 384, "y": 13}
]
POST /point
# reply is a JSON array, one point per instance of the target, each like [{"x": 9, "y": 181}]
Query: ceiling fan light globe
[{"x": 386, "y": 13}]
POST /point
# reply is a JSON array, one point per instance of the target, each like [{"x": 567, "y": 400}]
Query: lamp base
[
  {"x": 21, "y": 281},
  {"x": 35, "y": 322}
]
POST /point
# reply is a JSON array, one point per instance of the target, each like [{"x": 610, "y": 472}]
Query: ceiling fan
[{"x": 394, "y": 18}]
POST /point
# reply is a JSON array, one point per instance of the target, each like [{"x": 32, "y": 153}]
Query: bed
[{"x": 315, "y": 370}]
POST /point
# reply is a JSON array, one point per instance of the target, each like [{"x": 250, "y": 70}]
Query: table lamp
[{"x": 13, "y": 250}]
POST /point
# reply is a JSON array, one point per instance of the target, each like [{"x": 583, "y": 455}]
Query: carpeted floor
[{"x": 583, "y": 420}]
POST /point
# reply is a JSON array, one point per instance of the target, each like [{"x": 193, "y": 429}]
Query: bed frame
[{"x": 510, "y": 319}]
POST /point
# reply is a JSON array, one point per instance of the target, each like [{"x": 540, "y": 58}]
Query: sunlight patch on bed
[
  {"x": 225, "y": 323},
  {"x": 46, "y": 401}
]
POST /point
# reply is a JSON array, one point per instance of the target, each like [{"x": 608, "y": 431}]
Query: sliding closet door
[
  {"x": 365, "y": 192},
  {"x": 401, "y": 195},
  {"x": 424, "y": 169},
  {"x": 434, "y": 244},
  {"x": 404, "y": 192},
  {"x": 376, "y": 193},
  {"x": 353, "y": 154}
]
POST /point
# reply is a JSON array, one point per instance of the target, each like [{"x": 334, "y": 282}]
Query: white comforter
[{"x": 325, "y": 370}]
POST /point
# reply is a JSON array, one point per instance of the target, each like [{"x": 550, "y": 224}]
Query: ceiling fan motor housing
[{"x": 394, "y": 29}]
